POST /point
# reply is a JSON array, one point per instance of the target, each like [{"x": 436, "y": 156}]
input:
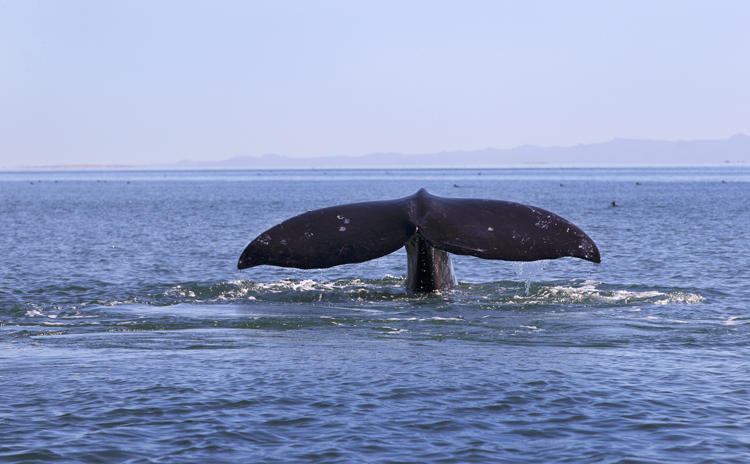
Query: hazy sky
[{"x": 134, "y": 82}]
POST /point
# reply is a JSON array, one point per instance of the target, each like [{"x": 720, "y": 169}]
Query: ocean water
[{"x": 128, "y": 335}]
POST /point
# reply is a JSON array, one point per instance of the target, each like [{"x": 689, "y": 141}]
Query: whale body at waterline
[{"x": 430, "y": 227}]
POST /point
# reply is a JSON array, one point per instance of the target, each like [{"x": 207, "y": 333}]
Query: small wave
[
  {"x": 368, "y": 294},
  {"x": 588, "y": 292},
  {"x": 732, "y": 320},
  {"x": 591, "y": 293},
  {"x": 390, "y": 289},
  {"x": 286, "y": 290},
  {"x": 680, "y": 297},
  {"x": 532, "y": 327}
]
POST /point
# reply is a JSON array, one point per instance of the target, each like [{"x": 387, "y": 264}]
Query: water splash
[{"x": 530, "y": 271}]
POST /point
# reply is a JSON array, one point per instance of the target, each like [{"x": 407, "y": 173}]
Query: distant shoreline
[
  {"x": 540, "y": 167},
  {"x": 618, "y": 152},
  {"x": 86, "y": 166}
]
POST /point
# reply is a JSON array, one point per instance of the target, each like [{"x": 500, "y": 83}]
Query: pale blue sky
[{"x": 135, "y": 82}]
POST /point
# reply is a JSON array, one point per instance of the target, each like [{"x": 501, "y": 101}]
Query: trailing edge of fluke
[{"x": 432, "y": 226}]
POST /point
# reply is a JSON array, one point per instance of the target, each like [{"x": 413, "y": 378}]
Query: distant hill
[
  {"x": 735, "y": 150},
  {"x": 618, "y": 152}
]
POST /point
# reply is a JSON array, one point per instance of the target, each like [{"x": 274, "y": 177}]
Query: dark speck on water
[{"x": 127, "y": 336}]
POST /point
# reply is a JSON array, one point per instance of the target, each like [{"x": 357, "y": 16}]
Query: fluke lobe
[{"x": 429, "y": 227}]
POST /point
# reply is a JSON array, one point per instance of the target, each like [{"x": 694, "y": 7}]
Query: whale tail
[{"x": 358, "y": 232}]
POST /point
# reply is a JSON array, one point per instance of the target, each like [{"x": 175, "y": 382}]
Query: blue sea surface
[{"x": 128, "y": 335}]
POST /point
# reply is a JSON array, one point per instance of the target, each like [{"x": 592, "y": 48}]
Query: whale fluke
[{"x": 358, "y": 232}]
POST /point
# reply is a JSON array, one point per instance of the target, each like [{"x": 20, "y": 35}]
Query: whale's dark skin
[{"x": 429, "y": 226}]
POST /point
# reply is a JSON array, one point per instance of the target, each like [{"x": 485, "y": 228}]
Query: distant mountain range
[
  {"x": 735, "y": 150},
  {"x": 618, "y": 152}
]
